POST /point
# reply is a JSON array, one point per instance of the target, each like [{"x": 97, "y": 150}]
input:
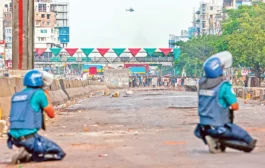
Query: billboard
[
  {"x": 64, "y": 31},
  {"x": 192, "y": 31},
  {"x": 64, "y": 38},
  {"x": 146, "y": 66}
]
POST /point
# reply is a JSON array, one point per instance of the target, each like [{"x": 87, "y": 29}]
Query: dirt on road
[{"x": 144, "y": 130}]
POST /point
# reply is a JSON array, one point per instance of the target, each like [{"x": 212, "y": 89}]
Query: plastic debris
[{"x": 103, "y": 155}]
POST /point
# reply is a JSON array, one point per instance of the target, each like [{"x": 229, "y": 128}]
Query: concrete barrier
[
  {"x": 190, "y": 85},
  {"x": 252, "y": 93},
  {"x": 60, "y": 91},
  {"x": 116, "y": 78}
]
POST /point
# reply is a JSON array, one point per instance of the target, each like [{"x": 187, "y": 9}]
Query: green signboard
[
  {"x": 86, "y": 59},
  {"x": 55, "y": 59},
  {"x": 176, "y": 53},
  {"x": 71, "y": 59}
]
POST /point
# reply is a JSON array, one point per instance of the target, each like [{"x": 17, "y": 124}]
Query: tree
[
  {"x": 195, "y": 51},
  {"x": 244, "y": 34}
]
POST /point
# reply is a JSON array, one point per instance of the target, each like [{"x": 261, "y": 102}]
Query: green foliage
[
  {"x": 194, "y": 52},
  {"x": 244, "y": 32},
  {"x": 243, "y": 35}
]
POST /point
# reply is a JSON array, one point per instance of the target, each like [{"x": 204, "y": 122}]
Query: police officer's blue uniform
[
  {"x": 26, "y": 121},
  {"x": 213, "y": 109}
]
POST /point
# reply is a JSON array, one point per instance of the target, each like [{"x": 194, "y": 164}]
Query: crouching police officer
[
  {"x": 216, "y": 100},
  {"x": 26, "y": 119}
]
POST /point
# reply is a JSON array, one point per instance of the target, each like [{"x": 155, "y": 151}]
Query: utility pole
[{"x": 23, "y": 35}]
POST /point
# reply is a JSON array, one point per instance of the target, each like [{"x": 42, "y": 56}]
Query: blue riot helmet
[
  {"x": 213, "y": 68},
  {"x": 33, "y": 78}
]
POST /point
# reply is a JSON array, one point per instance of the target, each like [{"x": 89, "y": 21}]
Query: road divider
[{"x": 61, "y": 91}]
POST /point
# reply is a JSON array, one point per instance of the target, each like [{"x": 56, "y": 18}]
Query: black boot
[
  {"x": 239, "y": 145},
  {"x": 251, "y": 145}
]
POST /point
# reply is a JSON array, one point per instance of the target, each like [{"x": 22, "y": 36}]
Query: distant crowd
[{"x": 143, "y": 81}]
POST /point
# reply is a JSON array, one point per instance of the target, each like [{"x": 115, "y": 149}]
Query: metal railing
[{"x": 102, "y": 59}]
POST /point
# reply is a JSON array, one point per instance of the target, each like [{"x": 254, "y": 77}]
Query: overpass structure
[{"x": 55, "y": 56}]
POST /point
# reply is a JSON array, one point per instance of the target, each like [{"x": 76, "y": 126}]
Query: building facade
[
  {"x": 174, "y": 38},
  {"x": 2, "y": 4},
  {"x": 7, "y": 29},
  {"x": 46, "y": 28},
  {"x": 61, "y": 9},
  {"x": 209, "y": 17},
  {"x": 51, "y": 23}
]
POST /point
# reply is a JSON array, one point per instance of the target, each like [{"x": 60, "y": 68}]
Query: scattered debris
[
  {"x": 103, "y": 155},
  {"x": 86, "y": 128},
  {"x": 174, "y": 143},
  {"x": 115, "y": 94},
  {"x": 129, "y": 92},
  {"x": 3, "y": 127},
  {"x": 106, "y": 93}
]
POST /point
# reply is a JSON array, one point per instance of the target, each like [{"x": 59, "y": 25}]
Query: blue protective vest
[
  {"x": 22, "y": 116},
  {"x": 210, "y": 110}
]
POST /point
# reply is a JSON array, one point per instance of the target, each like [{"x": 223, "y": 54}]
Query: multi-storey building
[
  {"x": 2, "y": 42},
  {"x": 7, "y": 29},
  {"x": 51, "y": 23},
  {"x": 2, "y": 4},
  {"x": 173, "y": 39},
  {"x": 61, "y": 9},
  {"x": 46, "y": 29},
  {"x": 209, "y": 17}
]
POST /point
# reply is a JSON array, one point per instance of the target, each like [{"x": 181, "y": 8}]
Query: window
[
  {"x": 43, "y": 39},
  {"x": 48, "y": 23},
  {"x": 43, "y": 23},
  {"x": 52, "y": 31},
  {"x": 42, "y": 8},
  {"x": 42, "y": 15},
  {"x": 48, "y": 16},
  {"x": 37, "y": 23},
  {"x": 11, "y": 6},
  {"x": 211, "y": 8},
  {"x": 43, "y": 31}
]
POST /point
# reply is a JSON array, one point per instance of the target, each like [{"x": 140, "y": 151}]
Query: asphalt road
[{"x": 148, "y": 129}]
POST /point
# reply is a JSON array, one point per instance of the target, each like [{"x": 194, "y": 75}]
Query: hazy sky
[{"x": 105, "y": 23}]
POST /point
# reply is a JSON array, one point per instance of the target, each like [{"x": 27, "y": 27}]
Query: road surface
[{"x": 148, "y": 129}]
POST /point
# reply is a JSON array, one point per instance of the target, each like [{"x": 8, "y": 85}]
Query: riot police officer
[
  {"x": 26, "y": 119},
  {"x": 216, "y": 100}
]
